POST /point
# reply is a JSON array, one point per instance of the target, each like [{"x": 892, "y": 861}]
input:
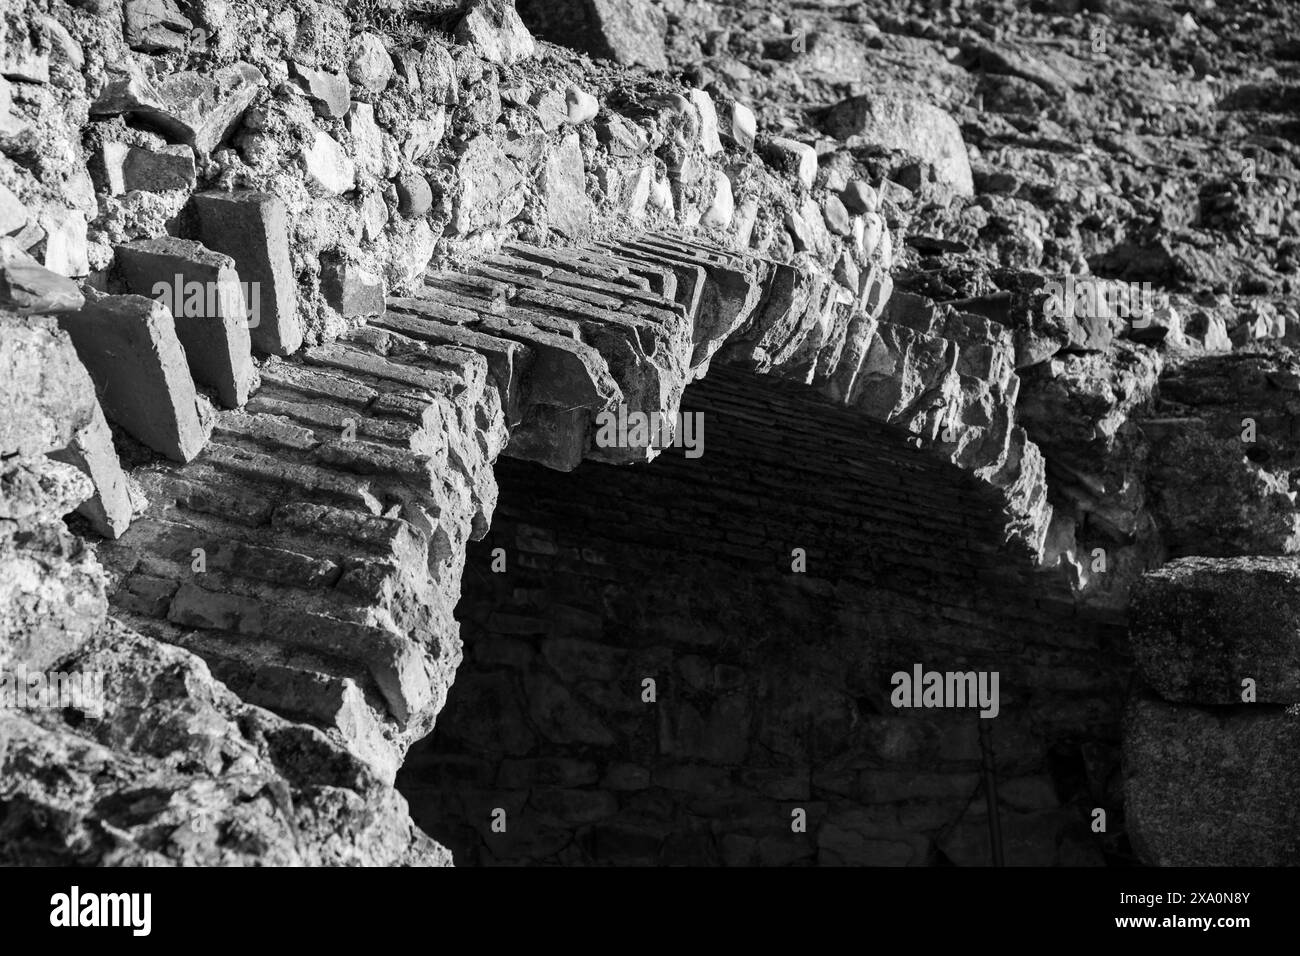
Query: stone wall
[
  {"x": 772, "y": 685},
  {"x": 470, "y": 243}
]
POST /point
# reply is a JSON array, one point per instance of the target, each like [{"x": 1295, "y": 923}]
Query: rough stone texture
[
  {"x": 251, "y": 229},
  {"x": 128, "y": 344},
  {"x": 621, "y": 30},
  {"x": 913, "y": 127},
  {"x": 370, "y": 65},
  {"x": 65, "y": 241},
  {"x": 211, "y": 323},
  {"x": 28, "y": 288},
  {"x": 125, "y": 168},
  {"x": 155, "y": 26},
  {"x": 1220, "y": 485},
  {"x": 350, "y": 289},
  {"x": 43, "y": 388},
  {"x": 564, "y": 189},
  {"x": 764, "y": 702},
  {"x": 333, "y": 513},
  {"x": 91, "y": 451},
  {"x": 327, "y": 166},
  {"x": 330, "y": 93},
  {"x": 200, "y": 110},
  {"x": 231, "y": 784},
  {"x": 490, "y": 186},
  {"x": 492, "y": 29},
  {"x": 1212, "y": 787},
  {"x": 797, "y": 158},
  {"x": 1202, "y": 625},
  {"x": 1102, "y": 443}
]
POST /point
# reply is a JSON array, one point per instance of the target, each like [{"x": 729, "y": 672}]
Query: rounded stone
[
  {"x": 582, "y": 106},
  {"x": 414, "y": 197},
  {"x": 836, "y": 216},
  {"x": 860, "y": 197},
  {"x": 370, "y": 65}
]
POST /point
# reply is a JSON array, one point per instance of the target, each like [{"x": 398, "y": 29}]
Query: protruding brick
[
  {"x": 128, "y": 344},
  {"x": 252, "y": 229},
  {"x": 125, "y": 168},
  {"x": 202, "y": 289}
]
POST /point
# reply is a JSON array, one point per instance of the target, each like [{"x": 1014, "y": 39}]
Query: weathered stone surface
[
  {"x": 203, "y": 292},
  {"x": 1212, "y": 787},
  {"x": 1070, "y": 179},
  {"x": 199, "y": 109},
  {"x": 911, "y": 126},
  {"x": 65, "y": 241},
  {"x": 564, "y": 189},
  {"x": 28, "y": 288},
  {"x": 737, "y": 125},
  {"x": 836, "y": 216},
  {"x": 299, "y": 799},
  {"x": 327, "y": 165},
  {"x": 490, "y": 186},
  {"x": 1201, "y": 626},
  {"x": 250, "y": 227},
  {"x": 13, "y": 214},
  {"x": 155, "y": 26},
  {"x": 43, "y": 388},
  {"x": 860, "y": 197},
  {"x": 800, "y": 159},
  {"x": 703, "y": 104},
  {"x": 722, "y": 205},
  {"x": 128, "y": 344},
  {"x": 23, "y": 53},
  {"x": 580, "y": 106},
  {"x": 620, "y": 30},
  {"x": 414, "y": 197},
  {"x": 493, "y": 30},
  {"x": 1211, "y": 497},
  {"x": 350, "y": 289},
  {"x": 127, "y": 167},
  {"x": 370, "y": 66},
  {"x": 330, "y": 93},
  {"x": 91, "y": 451}
]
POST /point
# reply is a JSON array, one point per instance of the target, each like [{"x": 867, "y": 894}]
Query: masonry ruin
[
  {"x": 771, "y": 695},
  {"x": 327, "y": 331}
]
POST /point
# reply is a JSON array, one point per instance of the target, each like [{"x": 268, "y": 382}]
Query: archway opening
[{"x": 700, "y": 660}]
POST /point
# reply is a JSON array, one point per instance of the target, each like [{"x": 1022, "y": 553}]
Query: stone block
[
  {"x": 626, "y": 31},
  {"x": 350, "y": 289},
  {"x": 251, "y": 228},
  {"x": 128, "y": 344},
  {"x": 1212, "y": 787},
  {"x": 908, "y": 125},
  {"x": 125, "y": 168},
  {"x": 493, "y": 30},
  {"x": 1200, "y": 626},
  {"x": 203, "y": 292}
]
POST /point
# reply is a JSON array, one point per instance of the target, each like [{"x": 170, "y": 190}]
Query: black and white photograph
[{"x": 650, "y": 435}]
